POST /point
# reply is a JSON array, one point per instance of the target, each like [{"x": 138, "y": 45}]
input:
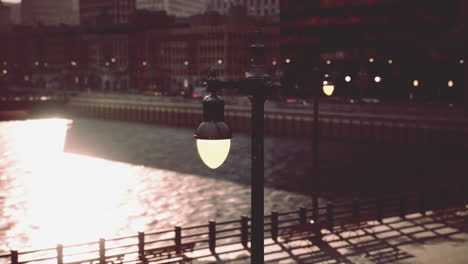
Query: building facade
[
  {"x": 393, "y": 41},
  {"x": 106, "y": 12},
  {"x": 178, "y": 8},
  {"x": 267, "y": 9},
  {"x": 5, "y": 15},
  {"x": 48, "y": 12}
]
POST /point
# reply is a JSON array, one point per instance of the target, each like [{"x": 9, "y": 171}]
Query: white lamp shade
[
  {"x": 328, "y": 89},
  {"x": 213, "y": 152}
]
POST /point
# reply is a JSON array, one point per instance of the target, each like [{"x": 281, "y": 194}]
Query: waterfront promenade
[
  {"x": 357, "y": 122},
  {"x": 413, "y": 228}
]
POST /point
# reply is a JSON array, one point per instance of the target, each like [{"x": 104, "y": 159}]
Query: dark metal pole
[
  {"x": 257, "y": 252},
  {"x": 315, "y": 145}
]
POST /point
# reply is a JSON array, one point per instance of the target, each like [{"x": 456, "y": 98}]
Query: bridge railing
[{"x": 213, "y": 235}]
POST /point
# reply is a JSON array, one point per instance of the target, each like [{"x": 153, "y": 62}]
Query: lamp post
[{"x": 213, "y": 136}]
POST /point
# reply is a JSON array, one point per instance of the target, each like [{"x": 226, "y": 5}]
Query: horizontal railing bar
[
  {"x": 158, "y": 241},
  {"x": 195, "y": 235},
  {"x": 228, "y": 230},
  {"x": 36, "y": 251},
  {"x": 121, "y": 238},
  {"x": 81, "y": 253},
  {"x": 121, "y": 247},
  {"x": 160, "y": 232},
  {"x": 193, "y": 227},
  {"x": 81, "y": 244},
  {"x": 229, "y": 222}
]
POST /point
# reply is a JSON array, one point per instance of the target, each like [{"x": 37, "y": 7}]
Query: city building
[
  {"x": 106, "y": 12},
  {"x": 395, "y": 40},
  {"x": 178, "y": 8},
  {"x": 48, "y": 12},
  {"x": 262, "y": 9},
  {"x": 15, "y": 12},
  {"x": 175, "y": 60},
  {"x": 5, "y": 18}
]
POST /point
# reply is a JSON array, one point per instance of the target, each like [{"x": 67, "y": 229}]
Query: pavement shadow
[{"x": 382, "y": 245}]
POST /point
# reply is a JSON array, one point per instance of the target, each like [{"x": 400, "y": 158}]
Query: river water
[
  {"x": 52, "y": 196},
  {"x": 72, "y": 181}
]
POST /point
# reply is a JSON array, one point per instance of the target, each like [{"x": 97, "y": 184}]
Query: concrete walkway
[{"x": 415, "y": 239}]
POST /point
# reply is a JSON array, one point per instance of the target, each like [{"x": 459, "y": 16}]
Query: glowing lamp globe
[
  {"x": 328, "y": 89},
  {"x": 213, "y": 135},
  {"x": 328, "y": 86}
]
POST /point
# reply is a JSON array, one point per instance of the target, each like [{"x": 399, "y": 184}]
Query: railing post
[
  {"x": 403, "y": 205},
  {"x": 274, "y": 226},
  {"x": 59, "y": 254},
  {"x": 356, "y": 207},
  {"x": 102, "y": 251},
  {"x": 212, "y": 235},
  {"x": 14, "y": 257},
  {"x": 380, "y": 206},
  {"x": 422, "y": 204},
  {"x": 315, "y": 209},
  {"x": 330, "y": 216},
  {"x": 141, "y": 247},
  {"x": 178, "y": 238},
  {"x": 244, "y": 231},
  {"x": 302, "y": 215}
]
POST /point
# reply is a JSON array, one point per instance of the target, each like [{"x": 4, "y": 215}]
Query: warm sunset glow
[
  {"x": 67, "y": 198},
  {"x": 213, "y": 152}
]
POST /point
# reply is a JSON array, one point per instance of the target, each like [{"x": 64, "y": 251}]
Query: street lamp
[
  {"x": 213, "y": 136},
  {"x": 328, "y": 86}
]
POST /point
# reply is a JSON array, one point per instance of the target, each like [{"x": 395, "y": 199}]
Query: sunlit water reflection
[{"x": 51, "y": 197}]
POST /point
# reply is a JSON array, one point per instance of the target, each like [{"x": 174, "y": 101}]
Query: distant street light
[
  {"x": 462, "y": 61},
  {"x": 328, "y": 87},
  {"x": 328, "y": 62},
  {"x": 288, "y": 60},
  {"x": 348, "y": 79},
  {"x": 377, "y": 79},
  {"x": 5, "y": 71},
  {"x": 113, "y": 60},
  {"x": 73, "y": 63},
  {"x": 220, "y": 61},
  {"x": 144, "y": 63},
  {"x": 390, "y": 61},
  {"x": 371, "y": 60},
  {"x": 451, "y": 83},
  {"x": 186, "y": 63},
  {"x": 415, "y": 83}
]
